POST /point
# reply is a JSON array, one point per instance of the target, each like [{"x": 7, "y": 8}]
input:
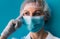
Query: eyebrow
[
  {"x": 25, "y": 11},
  {"x": 33, "y": 12},
  {"x": 37, "y": 10}
]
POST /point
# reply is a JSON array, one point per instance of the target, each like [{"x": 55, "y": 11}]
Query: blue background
[{"x": 9, "y": 9}]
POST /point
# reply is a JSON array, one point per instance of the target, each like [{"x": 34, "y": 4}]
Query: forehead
[{"x": 32, "y": 5}]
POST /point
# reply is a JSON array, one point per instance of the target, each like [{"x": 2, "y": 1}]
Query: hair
[{"x": 43, "y": 3}]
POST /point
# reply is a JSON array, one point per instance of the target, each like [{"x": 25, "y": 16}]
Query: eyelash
[
  {"x": 36, "y": 14},
  {"x": 27, "y": 13}
]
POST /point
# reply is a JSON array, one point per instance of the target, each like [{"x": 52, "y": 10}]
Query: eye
[
  {"x": 37, "y": 13},
  {"x": 27, "y": 13}
]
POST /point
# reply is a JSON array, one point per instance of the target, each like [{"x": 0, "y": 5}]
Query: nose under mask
[{"x": 34, "y": 23}]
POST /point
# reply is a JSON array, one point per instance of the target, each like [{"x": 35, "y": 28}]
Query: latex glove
[{"x": 10, "y": 28}]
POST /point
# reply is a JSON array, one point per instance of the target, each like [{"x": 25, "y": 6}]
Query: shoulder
[
  {"x": 26, "y": 37},
  {"x": 50, "y": 36}
]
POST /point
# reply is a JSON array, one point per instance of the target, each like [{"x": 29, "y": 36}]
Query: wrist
[{"x": 3, "y": 37}]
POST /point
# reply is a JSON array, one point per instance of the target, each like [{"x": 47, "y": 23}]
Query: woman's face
[{"x": 32, "y": 9}]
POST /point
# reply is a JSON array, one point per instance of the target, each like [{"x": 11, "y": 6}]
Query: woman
[{"x": 35, "y": 14}]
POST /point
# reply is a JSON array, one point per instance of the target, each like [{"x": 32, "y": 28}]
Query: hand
[
  {"x": 11, "y": 27},
  {"x": 2, "y": 37}
]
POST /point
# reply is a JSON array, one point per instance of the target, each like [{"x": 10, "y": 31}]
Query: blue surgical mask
[{"x": 34, "y": 23}]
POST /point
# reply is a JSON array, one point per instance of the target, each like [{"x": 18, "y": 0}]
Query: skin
[{"x": 31, "y": 9}]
